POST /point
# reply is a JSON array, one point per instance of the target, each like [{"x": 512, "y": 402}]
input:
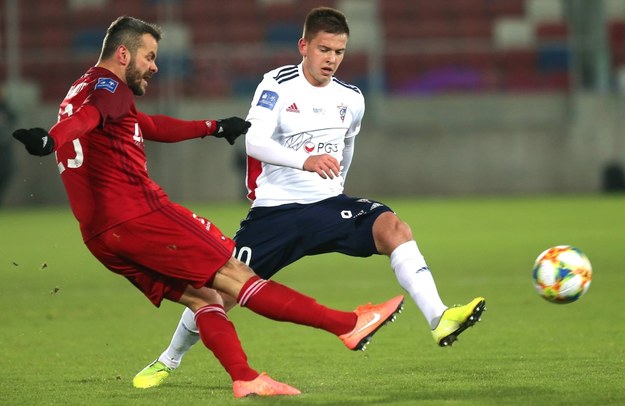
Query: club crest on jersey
[
  {"x": 268, "y": 99},
  {"x": 107, "y": 84},
  {"x": 342, "y": 112}
]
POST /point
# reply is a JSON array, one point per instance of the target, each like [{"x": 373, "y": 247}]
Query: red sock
[
  {"x": 278, "y": 302},
  {"x": 219, "y": 336}
]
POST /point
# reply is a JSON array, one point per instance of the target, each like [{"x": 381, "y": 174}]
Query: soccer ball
[{"x": 562, "y": 274}]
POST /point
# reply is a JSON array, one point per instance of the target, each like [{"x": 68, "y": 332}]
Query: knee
[
  {"x": 401, "y": 229},
  {"x": 195, "y": 299},
  {"x": 389, "y": 231},
  {"x": 231, "y": 277}
]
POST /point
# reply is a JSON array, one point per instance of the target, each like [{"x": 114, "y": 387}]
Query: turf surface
[{"x": 72, "y": 333}]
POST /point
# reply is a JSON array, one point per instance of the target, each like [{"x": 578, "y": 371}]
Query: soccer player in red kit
[{"x": 129, "y": 224}]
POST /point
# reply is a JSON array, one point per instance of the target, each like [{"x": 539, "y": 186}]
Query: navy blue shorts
[{"x": 271, "y": 238}]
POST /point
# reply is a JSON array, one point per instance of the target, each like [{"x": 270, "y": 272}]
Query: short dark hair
[
  {"x": 324, "y": 19},
  {"x": 127, "y": 31}
]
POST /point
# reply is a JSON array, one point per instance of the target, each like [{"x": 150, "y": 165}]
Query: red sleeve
[
  {"x": 168, "y": 129},
  {"x": 78, "y": 124}
]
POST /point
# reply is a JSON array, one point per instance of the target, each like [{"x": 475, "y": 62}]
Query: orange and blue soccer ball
[{"x": 562, "y": 274}]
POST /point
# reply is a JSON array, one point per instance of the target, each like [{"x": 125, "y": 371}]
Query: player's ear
[
  {"x": 123, "y": 55},
  {"x": 302, "y": 45}
]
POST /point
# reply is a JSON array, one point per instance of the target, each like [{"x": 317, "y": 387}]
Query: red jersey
[{"x": 105, "y": 171}]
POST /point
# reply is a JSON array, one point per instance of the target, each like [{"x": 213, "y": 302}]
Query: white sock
[
  {"x": 184, "y": 338},
  {"x": 415, "y": 277}
]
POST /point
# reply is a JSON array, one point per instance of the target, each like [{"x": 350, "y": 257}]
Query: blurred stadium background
[{"x": 464, "y": 97}]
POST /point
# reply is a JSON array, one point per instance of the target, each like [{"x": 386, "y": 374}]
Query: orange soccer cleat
[
  {"x": 370, "y": 319},
  {"x": 263, "y": 385}
]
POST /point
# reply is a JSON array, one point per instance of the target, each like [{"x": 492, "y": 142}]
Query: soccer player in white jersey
[{"x": 299, "y": 147}]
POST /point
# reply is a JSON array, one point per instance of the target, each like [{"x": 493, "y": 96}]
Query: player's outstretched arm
[
  {"x": 163, "y": 128},
  {"x": 41, "y": 142}
]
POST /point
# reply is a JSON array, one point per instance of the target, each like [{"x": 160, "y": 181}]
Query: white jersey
[{"x": 291, "y": 120}]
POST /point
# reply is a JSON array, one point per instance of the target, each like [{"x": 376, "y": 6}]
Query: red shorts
[{"x": 164, "y": 251}]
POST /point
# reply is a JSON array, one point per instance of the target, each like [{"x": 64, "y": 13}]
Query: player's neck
[{"x": 115, "y": 69}]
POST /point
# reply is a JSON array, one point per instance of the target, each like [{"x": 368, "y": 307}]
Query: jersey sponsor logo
[
  {"x": 297, "y": 141},
  {"x": 107, "y": 84},
  {"x": 327, "y": 148},
  {"x": 305, "y": 141},
  {"x": 268, "y": 99},
  {"x": 292, "y": 108}
]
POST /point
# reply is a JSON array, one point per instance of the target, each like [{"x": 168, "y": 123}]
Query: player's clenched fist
[
  {"x": 36, "y": 140},
  {"x": 231, "y": 128}
]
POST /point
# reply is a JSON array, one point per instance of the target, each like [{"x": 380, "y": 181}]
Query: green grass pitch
[{"x": 72, "y": 333}]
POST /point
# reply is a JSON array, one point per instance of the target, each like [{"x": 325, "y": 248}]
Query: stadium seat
[
  {"x": 505, "y": 8},
  {"x": 474, "y": 28},
  {"x": 280, "y": 13},
  {"x": 511, "y": 33},
  {"x": 283, "y": 34},
  {"x": 551, "y": 31},
  {"x": 553, "y": 57},
  {"x": 240, "y": 31},
  {"x": 539, "y": 11}
]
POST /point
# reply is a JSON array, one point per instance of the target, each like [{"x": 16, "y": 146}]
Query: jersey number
[
  {"x": 77, "y": 161},
  {"x": 72, "y": 163},
  {"x": 243, "y": 254}
]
